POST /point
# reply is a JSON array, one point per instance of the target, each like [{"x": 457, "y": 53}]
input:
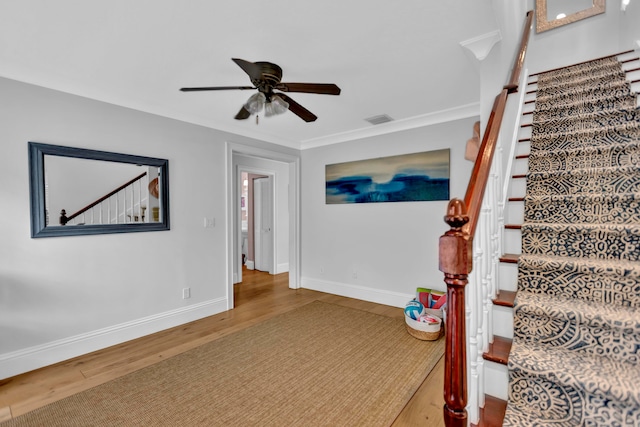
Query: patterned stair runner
[{"x": 575, "y": 359}]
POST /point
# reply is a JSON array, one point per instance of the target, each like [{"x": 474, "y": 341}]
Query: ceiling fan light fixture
[
  {"x": 255, "y": 103},
  {"x": 276, "y": 106}
]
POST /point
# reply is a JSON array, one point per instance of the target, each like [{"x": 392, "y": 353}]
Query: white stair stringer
[{"x": 496, "y": 374}]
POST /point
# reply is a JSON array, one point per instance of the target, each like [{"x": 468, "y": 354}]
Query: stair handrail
[
  {"x": 512, "y": 85},
  {"x": 105, "y": 197},
  {"x": 456, "y": 249}
]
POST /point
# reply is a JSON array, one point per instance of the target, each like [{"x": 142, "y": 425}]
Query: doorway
[{"x": 286, "y": 234}]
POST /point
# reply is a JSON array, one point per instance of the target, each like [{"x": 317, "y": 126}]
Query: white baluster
[
  {"x": 475, "y": 280},
  {"x": 109, "y": 209},
  {"x": 133, "y": 213}
]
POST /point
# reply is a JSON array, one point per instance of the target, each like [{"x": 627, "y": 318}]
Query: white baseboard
[
  {"x": 31, "y": 358},
  {"x": 250, "y": 265},
  {"x": 379, "y": 296},
  {"x": 282, "y": 268}
]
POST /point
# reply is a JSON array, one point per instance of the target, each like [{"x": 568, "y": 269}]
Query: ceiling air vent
[{"x": 377, "y": 120}]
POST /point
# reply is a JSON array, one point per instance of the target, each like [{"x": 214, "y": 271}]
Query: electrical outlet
[
  {"x": 186, "y": 293},
  {"x": 209, "y": 222}
]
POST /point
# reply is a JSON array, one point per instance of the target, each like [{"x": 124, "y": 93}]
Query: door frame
[{"x": 233, "y": 235}]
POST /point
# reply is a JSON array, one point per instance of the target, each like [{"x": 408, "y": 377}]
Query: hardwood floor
[{"x": 259, "y": 297}]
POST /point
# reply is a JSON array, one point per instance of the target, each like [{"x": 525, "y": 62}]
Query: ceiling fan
[{"x": 266, "y": 76}]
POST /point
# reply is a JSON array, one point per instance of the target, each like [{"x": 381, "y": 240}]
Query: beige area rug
[{"x": 318, "y": 365}]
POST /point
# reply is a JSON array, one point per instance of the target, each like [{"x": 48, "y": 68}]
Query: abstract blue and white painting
[{"x": 405, "y": 178}]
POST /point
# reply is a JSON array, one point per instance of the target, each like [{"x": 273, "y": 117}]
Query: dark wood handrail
[
  {"x": 456, "y": 249},
  {"x": 105, "y": 197},
  {"x": 512, "y": 86},
  {"x": 481, "y": 168}
]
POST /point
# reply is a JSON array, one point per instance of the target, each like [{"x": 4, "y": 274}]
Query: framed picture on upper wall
[{"x": 415, "y": 177}]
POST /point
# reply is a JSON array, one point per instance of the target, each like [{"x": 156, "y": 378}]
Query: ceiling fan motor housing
[{"x": 271, "y": 76}]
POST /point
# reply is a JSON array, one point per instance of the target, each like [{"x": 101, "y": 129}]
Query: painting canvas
[{"x": 405, "y": 178}]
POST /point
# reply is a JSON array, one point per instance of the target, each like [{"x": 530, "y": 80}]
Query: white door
[{"x": 263, "y": 224}]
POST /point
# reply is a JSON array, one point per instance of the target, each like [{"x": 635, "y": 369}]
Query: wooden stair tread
[
  {"x": 516, "y": 199},
  {"x": 498, "y": 350},
  {"x": 492, "y": 414},
  {"x": 513, "y": 226},
  {"x": 510, "y": 258},
  {"x": 505, "y": 298}
]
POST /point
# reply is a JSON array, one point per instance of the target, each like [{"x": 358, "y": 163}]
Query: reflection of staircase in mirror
[{"x": 126, "y": 204}]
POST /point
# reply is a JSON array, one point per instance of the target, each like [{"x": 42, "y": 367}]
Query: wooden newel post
[{"x": 455, "y": 258}]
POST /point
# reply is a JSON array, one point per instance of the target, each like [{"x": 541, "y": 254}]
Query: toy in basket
[{"x": 423, "y": 323}]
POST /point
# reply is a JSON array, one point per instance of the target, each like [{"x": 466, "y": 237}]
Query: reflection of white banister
[{"x": 127, "y": 203}]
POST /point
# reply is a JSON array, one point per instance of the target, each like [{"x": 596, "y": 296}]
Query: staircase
[{"x": 567, "y": 317}]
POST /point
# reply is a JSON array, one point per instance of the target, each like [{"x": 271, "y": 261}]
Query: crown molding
[{"x": 443, "y": 116}]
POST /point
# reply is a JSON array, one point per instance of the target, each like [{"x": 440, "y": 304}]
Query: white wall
[
  {"x": 495, "y": 69},
  {"x": 630, "y": 27},
  {"x": 390, "y": 248},
  {"x": 64, "y": 296},
  {"x": 580, "y": 41}
]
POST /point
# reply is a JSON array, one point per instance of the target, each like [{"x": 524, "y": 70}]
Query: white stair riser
[
  {"x": 496, "y": 380},
  {"x": 514, "y": 213},
  {"x": 628, "y": 55},
  {"x": 503, "y": 321},
  {"x": 530, "y": 96},
  {"x": 523, "y": 147},
  {"x": 517, "y": 187},
  {"x": 512, "y": 241},
  {"x": 635, "y": 87},
  {"x": 508, "y": 276},
  {"x": 520, "y": 166},
  {"x": 633, "y": 75}
]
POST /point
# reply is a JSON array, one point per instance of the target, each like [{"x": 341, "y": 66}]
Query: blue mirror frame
[{"x": 39, "y": 227}]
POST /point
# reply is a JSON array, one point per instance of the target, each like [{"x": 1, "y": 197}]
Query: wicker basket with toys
[{"x": 424, "y": 314}]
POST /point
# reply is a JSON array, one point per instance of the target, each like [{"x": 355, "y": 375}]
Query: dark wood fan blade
[
  {"x": 195, "y": 89},
  {"x": 298, "y": 109},
  {"x": 321, "y": 88},
  {"x": 253, "y": 70},
  {"x": 242, "y": 114}
]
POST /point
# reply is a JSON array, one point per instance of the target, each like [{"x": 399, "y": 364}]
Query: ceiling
[{"x": 400, "y": 58}]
